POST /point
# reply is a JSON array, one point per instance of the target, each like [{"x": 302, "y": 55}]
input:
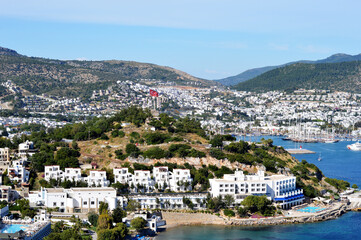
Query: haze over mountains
[
  {"x": 252, "y": 73},
  {"x": 80, "y": 78}
]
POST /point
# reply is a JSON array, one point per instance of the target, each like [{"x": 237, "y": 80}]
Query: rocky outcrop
[{"x": 8, "y": 52}]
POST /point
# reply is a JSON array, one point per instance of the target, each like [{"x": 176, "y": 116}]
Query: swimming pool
[
  {"x": 311, "y": 209},
  {"x": 13, "y": 228}
]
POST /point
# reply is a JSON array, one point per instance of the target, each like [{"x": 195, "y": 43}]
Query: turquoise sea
[{"x": 337, "y": 162}]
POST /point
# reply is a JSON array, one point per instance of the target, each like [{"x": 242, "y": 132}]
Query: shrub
[{"x": 229, "y": 213}]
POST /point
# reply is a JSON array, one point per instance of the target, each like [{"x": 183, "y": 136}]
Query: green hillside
[
  {"x": 79, "y": 78},
  {"x": 344, "y": 76}
]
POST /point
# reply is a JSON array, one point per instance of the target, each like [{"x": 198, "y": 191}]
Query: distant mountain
[
  {"x": 252, "y": 73},
  {"x": 339, "y": 76},
  {"x": 80, "y": 78}
]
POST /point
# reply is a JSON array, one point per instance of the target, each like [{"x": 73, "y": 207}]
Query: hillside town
[{"x": 219, "y": 109}]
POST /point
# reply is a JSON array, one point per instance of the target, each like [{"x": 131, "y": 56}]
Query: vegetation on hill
[
  {"x": 344, "y": 76},
  {"x": 252, "y": 73},
  {"x": 80, "y": 78}
]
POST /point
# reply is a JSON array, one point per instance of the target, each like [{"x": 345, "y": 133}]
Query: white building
[
  {"x": 278, "y": 188},
  {"x": 181, "y": 180},
  {"x": 122, "y": 175},
  {"x": 178, "y": 180},
  {"x": 161, "y": 176},
  {"x": 4, "y": 154},
  {"x": 18, "y": 172},
  {"x": 143, "y": 179},
  {"x": 74, "y": 199},
  {"x": 73, "y": 174},
  {"x": 97, "y": 179},
  {"x": 26, "y": 148},
  {"x": 53, "y": 172},
  {"x": 170, "y": 201}
]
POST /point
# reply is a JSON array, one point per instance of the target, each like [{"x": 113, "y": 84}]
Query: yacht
[{"x": 356, "y": 146}]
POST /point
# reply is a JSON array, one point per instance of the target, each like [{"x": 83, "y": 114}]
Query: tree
[
  {"x": 242, "y": 212},
  {"x": 118, "y": 215},
  {"x": 93, "y": 219},
  {"x": 138, "y": 223},
  {"x": 74, "y": 145},
  {"x": 103, "y": 207},
  {"x": 217, "y": 141},
  {"x": 132, "y": 206},
  {"x": 67, "y": 157},
  {"x": 118, "y": 233},
  {"x": 229, "y": 200},
  {"x": 354, "y": 186},
  {"x": 132, "y": 150},
  {"x": 104, "y": 221},
  {"x": 258, "y": 203}
]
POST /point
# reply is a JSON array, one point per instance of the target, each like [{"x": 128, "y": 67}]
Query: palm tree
[{"x": 229, "y": 200}]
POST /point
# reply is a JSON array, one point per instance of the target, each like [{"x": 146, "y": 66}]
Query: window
[
  {"x": 85, "y": 203},
  {"x": 62, "y": 204},
  {"x": 220, "y": 185},
  {"x": 54, "y": 204}
]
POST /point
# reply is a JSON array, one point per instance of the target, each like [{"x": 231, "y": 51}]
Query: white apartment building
[
  {"x": 4, "y": 154},
  {"x": 122, "y": 175},
  {"x": 75, "y": 199},
  {"x": 161, "y": 176},
  {"x": 4, "y": 158},
  {"x": 278, "y": 188},
  {"x": 6, "y": 193},
  {"x": 26, "y": 148},
  {"x": 53, "y": 172},
  {"x": 97, "y": 179},
  {"x": 72, "y": 174},
  {"x": 142, "y": 178},
  {"x": 18, "y": 172},
  {"x": 180, "y": 180},
  {"x": 170, "y": 200}
]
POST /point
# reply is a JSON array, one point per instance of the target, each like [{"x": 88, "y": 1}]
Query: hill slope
[
  {"x": 344, "y": 76},
  {"x": 80, "y": 78},
  {"x": 252, "y": 73}
]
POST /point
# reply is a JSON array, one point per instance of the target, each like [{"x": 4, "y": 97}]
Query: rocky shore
[
  {"x": 174, "y": 219},
  {"x": 324, "y": 215}
]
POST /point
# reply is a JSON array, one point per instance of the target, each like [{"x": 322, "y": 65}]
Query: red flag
[{"x": 153, "y": 93}]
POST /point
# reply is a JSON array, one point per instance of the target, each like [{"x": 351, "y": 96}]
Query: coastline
[{"x": 176, "y": 219}]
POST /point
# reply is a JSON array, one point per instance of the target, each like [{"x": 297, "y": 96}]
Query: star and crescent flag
[{"x": 153, "y": 93}]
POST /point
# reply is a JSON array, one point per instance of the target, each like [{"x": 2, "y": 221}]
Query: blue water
[
  {"x": 311, "y": 209},
  {"x": 337, "y": 162},
  {"x": 13, "y": 228}
]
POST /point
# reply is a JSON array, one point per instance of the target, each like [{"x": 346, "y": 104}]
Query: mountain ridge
[
  {"x": 254, "y": 72},
  {"x": 337, "y": 76},
  {"x": 79, "y": 78}
]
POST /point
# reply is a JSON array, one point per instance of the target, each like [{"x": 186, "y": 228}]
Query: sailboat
[{"x": 319, "y": 157}]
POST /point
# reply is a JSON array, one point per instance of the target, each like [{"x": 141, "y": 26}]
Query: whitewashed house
[
  {"x": 97, "y": 179},
  {"x": 181, "y": 180}
]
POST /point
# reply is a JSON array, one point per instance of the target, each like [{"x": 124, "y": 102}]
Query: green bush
[{"x": 229, "y": 213}]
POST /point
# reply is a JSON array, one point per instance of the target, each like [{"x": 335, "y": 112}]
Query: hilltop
[
  {"x": 343, "y": 76},
  {"x": 135, "y": 139},
  {"x": 74, "y": 78},
  {"x": 252, "y": 73}
]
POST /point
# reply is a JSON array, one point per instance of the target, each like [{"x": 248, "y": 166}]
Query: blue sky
[{"x": 206, "y": 38}]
